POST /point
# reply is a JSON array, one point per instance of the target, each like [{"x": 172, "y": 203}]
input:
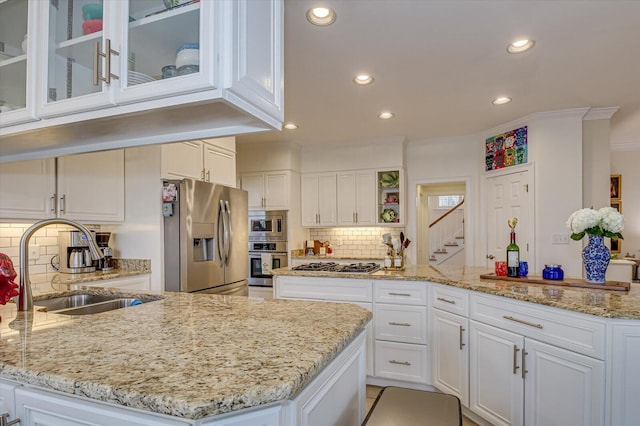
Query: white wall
[
  {"x": 627, "y": 164},
  {"x": 373, "y": 155},
  {"x": 141, "y": 236},
  {"x": 596, "y": 148}
]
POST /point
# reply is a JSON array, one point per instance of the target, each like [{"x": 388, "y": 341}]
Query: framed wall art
[
  {"x": 615, "y": 244},
  {"x": 506, "y": 149},
  {"x": 616, "y": 187}
]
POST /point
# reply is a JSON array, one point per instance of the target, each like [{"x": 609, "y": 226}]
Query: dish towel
[{"x": 265, "y": 258}]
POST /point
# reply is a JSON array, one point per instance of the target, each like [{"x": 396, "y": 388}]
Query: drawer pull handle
[
  {"x": 393, "y": 361},
  {"x": 461, "y": 343},
  {"x": 400, "y": 294},
  {"x": 515, "y": 359},
  {"x": 530, "y": 324},
  {"x": 403, "y": 324},
  {"x": 4, "y": 420},
  {"x": 524, "y": 369},
  {"x": 446, "y": 300}
]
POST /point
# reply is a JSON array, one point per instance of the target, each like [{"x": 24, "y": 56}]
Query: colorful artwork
[{"x": 506, "y": 149}]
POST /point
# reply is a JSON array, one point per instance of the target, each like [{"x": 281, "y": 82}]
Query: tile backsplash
[
  {"x": 360, "y": 241},
  {"x": 46, "y": 239}
]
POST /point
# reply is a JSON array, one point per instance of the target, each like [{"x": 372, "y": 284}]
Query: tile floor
[{"x": 373, "y": 391}]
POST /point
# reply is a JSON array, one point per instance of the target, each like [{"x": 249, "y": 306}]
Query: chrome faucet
[{"x": 25, "y": 296}]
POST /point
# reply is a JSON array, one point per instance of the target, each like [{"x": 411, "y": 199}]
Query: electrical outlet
[
  {"x": 34, "y": 252},
  {"x": 560, "y": 239}
]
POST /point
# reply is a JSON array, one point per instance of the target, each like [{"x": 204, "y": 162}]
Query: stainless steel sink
[{"x": 85, "y": 304}]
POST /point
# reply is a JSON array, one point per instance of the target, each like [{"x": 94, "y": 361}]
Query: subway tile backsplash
[
  {"x": 46, "y": 238},
  {"x": 360, "y": 241}
]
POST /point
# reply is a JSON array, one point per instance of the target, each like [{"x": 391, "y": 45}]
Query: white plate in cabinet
[
  {"x": 450, "y": 299},
  {"x": 402, "y": 294},
  {"x": 354, "y": 290},
  {"x": 402, "y": 361},
  {"x": 569, "y": 330},
  {"x": 406, "y": 324}
]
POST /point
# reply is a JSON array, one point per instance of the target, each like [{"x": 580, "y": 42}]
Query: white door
[
  {"x": 508, "y": 196},
  {"x": 450, "y": 354},
  {"x": 625, "y": 375},
  {"x": 276, "y": 191},
  {"x": 91, "y": 186},
  {"x": 254, "y": 185},
  {"x": 496, "y": 388},
  {"x": 182, "y": 160},
  {"x": 219, "y": 165},
  {"x": 366, "y": 198},
  {"x": 346, "y": 198},
  {"x": 327, "y": 196},
  {"x": 27, "y": 189},
  {"x": 309, "y": 197},
  {"x": 562, "y": 388}
]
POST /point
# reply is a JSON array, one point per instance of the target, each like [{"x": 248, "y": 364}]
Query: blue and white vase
[{"x": 596, "y": 258}]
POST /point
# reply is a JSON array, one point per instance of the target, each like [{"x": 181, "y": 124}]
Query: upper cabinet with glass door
[
  {"x": 102, "y": 53},
  {"x": 16, "y": 22}
]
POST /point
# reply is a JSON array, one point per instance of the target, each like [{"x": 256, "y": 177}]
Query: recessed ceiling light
[
  {"x": 386, "y": 115},
  {"x": 321, "y": 16},
  {"x": 291, "y": 126},
  {"x": 363, "y": 79},
  {"x": 501, "y": 100},
  {"x": 520, "y": 46}
]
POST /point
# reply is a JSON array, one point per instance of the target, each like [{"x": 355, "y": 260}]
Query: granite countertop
[
  {"x": 603, "y": 303},
  {"x": 55, "y": 281},
  {"x": 186, "y": 355}
]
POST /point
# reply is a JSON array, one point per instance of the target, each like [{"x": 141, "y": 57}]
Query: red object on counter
[
  {"x": 8, "y": 288},
  {"x": 501, "y": 268}
]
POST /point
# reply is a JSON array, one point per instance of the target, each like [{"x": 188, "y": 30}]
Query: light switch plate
[{"x": 560, "y": 239}]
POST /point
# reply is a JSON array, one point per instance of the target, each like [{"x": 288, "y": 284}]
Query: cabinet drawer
[
  {"x": 450, "y": 299},
  {"x": 560, "y": 328},
  {"x": 406, "y": 324},
  {"x": 354, "y": 290},
  {"x": 400, "y": 293},
  {"x": 402, "y": 361}
]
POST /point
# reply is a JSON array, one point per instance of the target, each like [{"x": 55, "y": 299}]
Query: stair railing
[{"x": 451, "y": 225}]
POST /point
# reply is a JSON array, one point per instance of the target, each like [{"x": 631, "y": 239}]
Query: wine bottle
[{"x": 513, "y": 257}]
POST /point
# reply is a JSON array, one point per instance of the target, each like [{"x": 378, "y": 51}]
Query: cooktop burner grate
[{"x": 335, "y": 267}]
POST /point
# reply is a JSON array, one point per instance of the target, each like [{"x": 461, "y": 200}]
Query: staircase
[{"x": 446, "y": 235}]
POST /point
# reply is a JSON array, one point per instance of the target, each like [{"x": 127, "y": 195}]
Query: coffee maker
[
  {"x": 74, "y": 253},
  {"x": 102, "y": 240}
]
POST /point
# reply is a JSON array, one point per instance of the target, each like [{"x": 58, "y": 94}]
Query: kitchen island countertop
[
  {"x": 186, "y": 355},
  {"x": 603, "y": 303}
]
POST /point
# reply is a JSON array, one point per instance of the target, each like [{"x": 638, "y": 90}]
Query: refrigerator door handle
[
  {"x": 221, "y": 233},
  {"x": 225, "y": 233},
  {"x": 229, "y": 241}
]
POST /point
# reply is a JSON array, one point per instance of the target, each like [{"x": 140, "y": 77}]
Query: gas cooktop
[{"x": 338, "y": 267}]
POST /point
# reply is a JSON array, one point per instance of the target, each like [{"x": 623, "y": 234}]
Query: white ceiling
[{"x": 438, "y": 64}]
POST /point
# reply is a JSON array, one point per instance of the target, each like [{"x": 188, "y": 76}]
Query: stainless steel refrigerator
[{"x": 205, "y": 237}]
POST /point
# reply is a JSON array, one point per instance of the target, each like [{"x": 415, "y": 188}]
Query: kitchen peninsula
[
  {"x": 186, "y": 359},
  {"x": 513, "y": 352}
]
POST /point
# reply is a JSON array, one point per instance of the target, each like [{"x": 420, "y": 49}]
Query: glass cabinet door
[
  {"x": 79, "y": 61},
  {"x": 167, "y": 48},
  {"x": 15, "y": 67}
]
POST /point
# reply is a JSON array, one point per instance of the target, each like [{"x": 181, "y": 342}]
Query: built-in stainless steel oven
[
  {"x": 268, "y": 226},
  {"x": 263, "y": 257}
]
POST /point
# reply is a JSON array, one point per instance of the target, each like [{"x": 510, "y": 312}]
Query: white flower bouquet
[{"x": 606, "y": 222}]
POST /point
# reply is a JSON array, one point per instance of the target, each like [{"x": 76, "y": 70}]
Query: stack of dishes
[{"x": 139, "y": 78}]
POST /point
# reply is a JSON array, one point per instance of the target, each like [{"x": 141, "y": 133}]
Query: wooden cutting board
[{"x": 567, "y": 282}]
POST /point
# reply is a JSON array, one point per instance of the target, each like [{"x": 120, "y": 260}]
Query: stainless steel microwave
[{"x": 268, "y": 225}]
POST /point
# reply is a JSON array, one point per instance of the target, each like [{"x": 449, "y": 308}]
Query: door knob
[{"x": 490, "y": 256}]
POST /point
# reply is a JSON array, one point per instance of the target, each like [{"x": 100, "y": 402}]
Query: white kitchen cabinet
[
  {"x": 211, "y": 161},
  {"x": 356, "y": 197},
  {"x": 90, "y": 188},
  {"x": 267, "y": 190},
  {"x": 7, "y": 400},
  {"x": 74, "y": 75},
  {"x": 319, "y": 202},
  {"x": 517, "y": 379},
  {"x": 450, "y": 354}
]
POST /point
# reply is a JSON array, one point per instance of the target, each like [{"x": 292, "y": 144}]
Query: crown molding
[{"x": 600, "y": 113}]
